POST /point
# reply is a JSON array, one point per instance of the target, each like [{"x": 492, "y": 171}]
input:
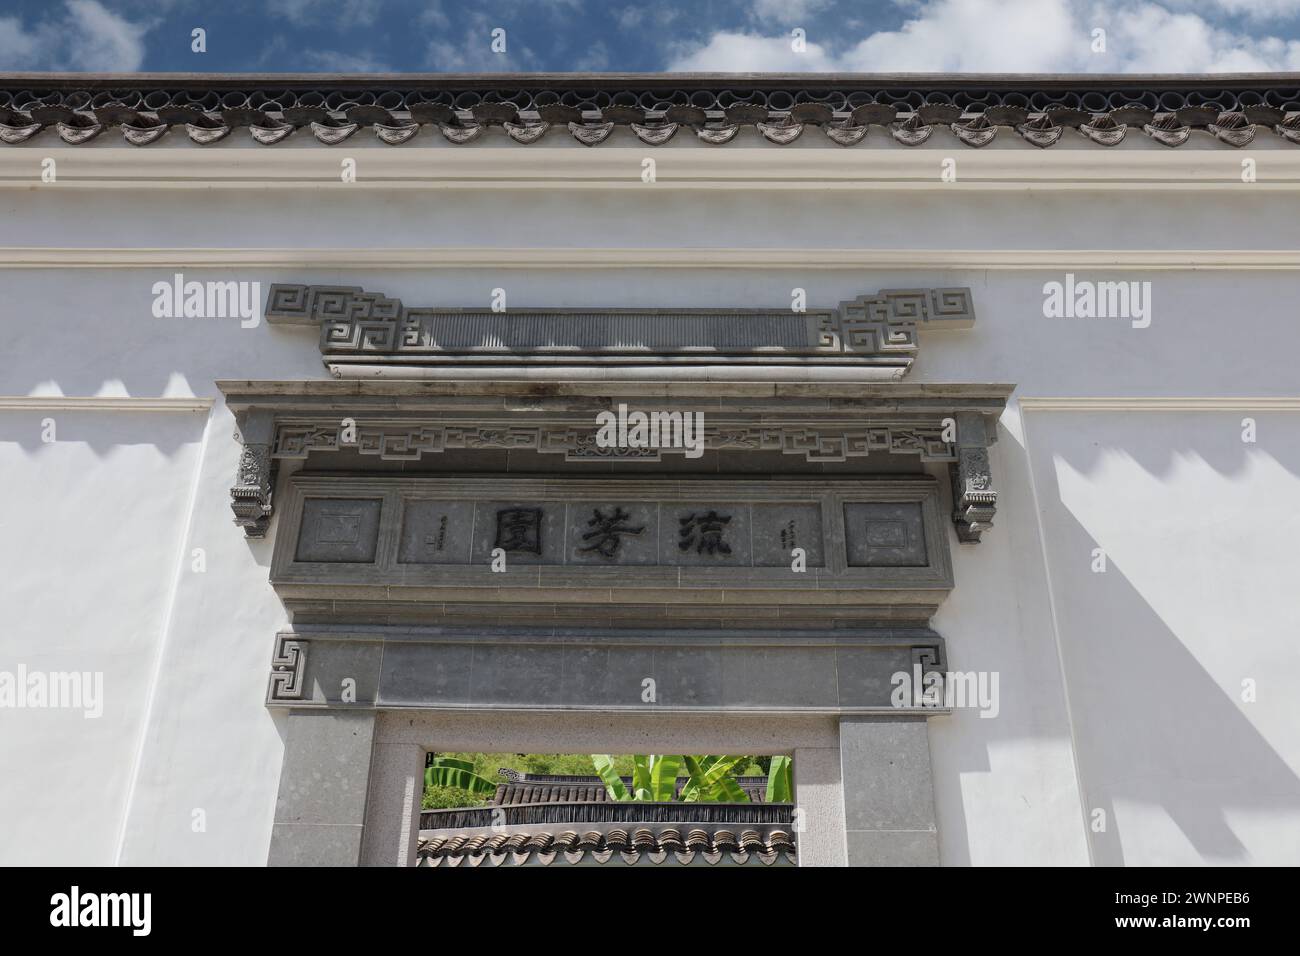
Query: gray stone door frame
[{"x": 351, "y": 782}]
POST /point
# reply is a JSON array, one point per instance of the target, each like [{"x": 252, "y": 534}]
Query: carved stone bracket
[
  {"x": 287, "y": 665},
  {"x": 250, "y": 498},
  {"x": 974, "y": 501}
]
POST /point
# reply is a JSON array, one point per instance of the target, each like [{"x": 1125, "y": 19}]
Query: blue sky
[{"x": 628, "y": 36}]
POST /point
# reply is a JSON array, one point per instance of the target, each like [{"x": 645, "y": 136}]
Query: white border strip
[
  {"x": 1278, "y": 403},
  {"x": 92, "y": 403},
  {"x": 498, "y": 257},
  {"x": 878, "y": 165}
]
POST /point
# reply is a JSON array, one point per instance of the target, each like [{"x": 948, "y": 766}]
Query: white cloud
[
  {"x": 474, "y": 53},
  {"x": 594, "y": 60},
  {"x": 750, "y": 53},
  {"x": 341, "y": 13},
  {"x": 1009, "y": 36},
  {"x": 1251, "y": 9},
  {"x": 334, "y": 61},
  {"x": 87, "y": 38},
  {"x": 791, "y": 13},
  {"x": 658, "y": 17}
]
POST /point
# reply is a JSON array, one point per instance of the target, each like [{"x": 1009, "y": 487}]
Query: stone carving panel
[
  {"x": 778, "y": 529},
  {"x": 436, "y": 532},
  {"x": 885, "y": 535},
  {"x": 339, "y": 530},
  {"x": 466, "y": 531},
  {"x": 607, "y": 533}
]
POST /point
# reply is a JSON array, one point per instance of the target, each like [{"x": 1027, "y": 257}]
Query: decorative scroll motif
[
  {"x": 976, "y": 132},
  {"x": 409, "y": 442},
  {"x": 888, "y": 322},
  {"x": 1168, "y": 130},
  {"x": 1042, "y": 131},
  {"x": 928, "y": 666},
  {"x": 716, "y": 112},
  {"x": 1104, "y": 131},
  {"x": 287, "y": 665},
  {"x": 365, "y": 326},
  {"x": 1233, "y": 129},
  {"x": 250, "y": 498},
  {"x": 845, "y": 133},
  {"x": 912, "y": 131},
  {"x": 974, "y": 500}
]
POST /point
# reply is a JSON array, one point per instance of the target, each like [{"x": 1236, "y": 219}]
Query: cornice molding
[
  {"x": 1277, "y": 403},
  {"x": 614, "y": 168},
  {"x": 802, "y": 258},
  {"x": 94, "y": 403}
]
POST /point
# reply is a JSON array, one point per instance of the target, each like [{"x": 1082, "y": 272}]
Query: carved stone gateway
[{"x": 452, "y": 535}]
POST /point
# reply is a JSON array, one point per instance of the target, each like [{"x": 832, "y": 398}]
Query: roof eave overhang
[{"x": 604, "y": 81}]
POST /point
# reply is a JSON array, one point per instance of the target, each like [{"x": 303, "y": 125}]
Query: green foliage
[
  {"x": 438, "y": 795},
  {"x": 614, "y": 785},
  {"x": 450, "y": 772},
  {"x": 710, "y": 779},
  {"x": 713, "y": 779},
  {"x": 443, "y": 798},
  {"x": 780, "y": 780},
  {"x": 654, "y": 777}
]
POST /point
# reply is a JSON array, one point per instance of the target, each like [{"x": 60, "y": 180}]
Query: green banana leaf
[
  {"x": 780, "y": 780},
  {"x": 711, "y": 779},
  {"x": 720, "y": 782},
  {"x": 452, "y": 762},
  {"x": 641, "y": 777},
  {"x": 448, "y": 776},
  {"x": 604, "y": 765},
  {"x": 664, "y": 769}
]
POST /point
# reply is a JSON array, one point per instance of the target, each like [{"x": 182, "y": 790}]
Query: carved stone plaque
[
  {"x": 337, "y": 530},
  {"x": 885, "y": 535},
  {"x": 779, "y": 528},
  {"x": 614, "y": 533},
  {"x": 524, "y": 531},
  {"x": 436, "y": 532},
  {"x": 427, "y": 533}
]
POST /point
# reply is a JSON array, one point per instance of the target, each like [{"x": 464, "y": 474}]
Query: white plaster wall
[
  {"x": 1198, "y": 597},
  {"x": 1006, "y": 789},
  {"x": 89, "y": 546}
]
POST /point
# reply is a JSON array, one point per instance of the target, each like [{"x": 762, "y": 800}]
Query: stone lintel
[{"x": 647, "y": 673}]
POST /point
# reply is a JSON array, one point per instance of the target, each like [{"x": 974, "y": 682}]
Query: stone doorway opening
[{"x": 607, "y": 809}]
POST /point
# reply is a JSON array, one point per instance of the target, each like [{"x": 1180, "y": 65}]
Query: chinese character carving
[
  {"x": 703, "y": 532},
  {"x": 607, "y": 532},
  {"x": 435, "y": 542},
  {"x": 520, "y": 529},
  {"x": 788, "y": 539}
]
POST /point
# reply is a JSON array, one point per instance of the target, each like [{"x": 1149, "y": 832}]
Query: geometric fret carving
[
  {"x": 362, "y": 327},
  {"x": 287, "y": 665},
  {"x": 928, "y": 677},
  {"x": 887, "y": 322},
  {"x": 410, "y": 442}
]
